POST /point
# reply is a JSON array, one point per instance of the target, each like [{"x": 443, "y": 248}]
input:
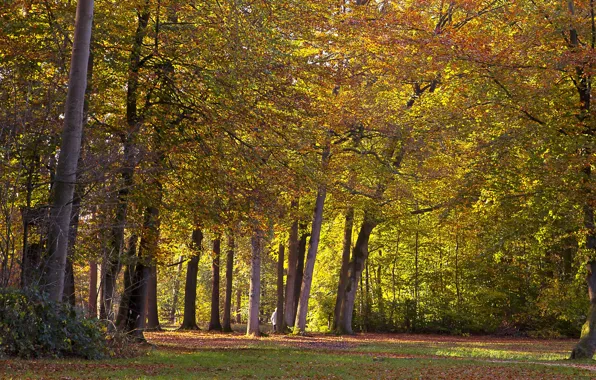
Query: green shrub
[{"x": 33, "y": 326}]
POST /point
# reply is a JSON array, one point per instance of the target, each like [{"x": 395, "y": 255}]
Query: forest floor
[{"x": 199, "y": 354}]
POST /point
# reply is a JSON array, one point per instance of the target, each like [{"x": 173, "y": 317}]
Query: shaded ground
[{"x": 198, "y": 354}]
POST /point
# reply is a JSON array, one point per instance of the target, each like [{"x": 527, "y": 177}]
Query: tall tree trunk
[
  {"x": 120, "y": 318},
  {"x": 289, "y": 314},
  {"x": 310, "y": 259},
  {"x": 280, "y": 288},
  {"x": 227, "y": 317},
  {"x": 189, "y": 321},
  {"x": 299, "y": 269},
  {"x": 92, "y": 305},
  {"x": 133, "y": 121},
  {"x": 359, "y": 256},
  {"x": 135, "y": 321},
  {"x": 69, "y": 151},
  {"x": 176, "y": 291},
  {"x": 255, "y": 285},
  {"x": 138, "y": 298},
  {"x": 129, "y": 272},
  {"x": 152, "y": 310},
  {"x": 214, "y": 323},
  {"x": 69, "y": 284},
  {"x": 345, "y": 263},
  {"x": 69, "y": 281}
]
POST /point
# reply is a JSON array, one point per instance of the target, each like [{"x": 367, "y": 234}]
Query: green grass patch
[{"x": 227, "y": 356}]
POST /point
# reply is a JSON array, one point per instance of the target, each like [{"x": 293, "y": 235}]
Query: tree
[
  {"x": 214, "y": 323},
  {"x": 69, "y": 151}
]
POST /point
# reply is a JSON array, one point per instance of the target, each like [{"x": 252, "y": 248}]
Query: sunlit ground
[{"x": 199, "y": 354}]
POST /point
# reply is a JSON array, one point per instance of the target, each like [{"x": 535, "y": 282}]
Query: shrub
[{"x": 33, "y": 326}]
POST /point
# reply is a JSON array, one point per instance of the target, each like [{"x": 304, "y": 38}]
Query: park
[{"x": 283, "y": 189}]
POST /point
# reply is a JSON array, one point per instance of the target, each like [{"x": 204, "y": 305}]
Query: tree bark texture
[
  {"x": 189, "y": 321},
  {"x": 214, "y": 323},
  {"x": 69, "y": 152},
  {"x": 227, "y": 317},
  {"x": 345, "y": 263}
]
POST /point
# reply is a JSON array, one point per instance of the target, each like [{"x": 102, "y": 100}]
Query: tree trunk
[
  {"x": 152, "y": 310},
  {"x": 359, "y": 256},
  {"x": 311, "y": 258},
  {"x": 189, "y": 321},
  {"x": 227, "y": 318},
  {"x": 69, "y": 281},
  {"x": 92, "y": 305},
  {"x": 299, "y": 269},
  {"x": 289, "y": 314},
  {"x": 280, "y": 289},
  {"x": 214, "y": 323},
  {"x": 135, "y": 322},
  {"x": 176, "y": 291},
  {"x": 69, "y": 151},
  {"x": 586, "y": 347},
  {"x": 129, "y": 272},
  {"x": 255, "y": 285},
  {"x": 345, "y": 263}
]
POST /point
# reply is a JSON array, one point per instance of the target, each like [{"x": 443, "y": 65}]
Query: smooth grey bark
[
  {"x": 254, "y": 295},
  {"x": 280, "y": 288},
  {"x": 227, "y": 317},
  {"x": 70, "y": 147},
  {"x": 214, "y": 323},
  {"x": 345, "y": 263},
  {"x": 189, "y": 321}
]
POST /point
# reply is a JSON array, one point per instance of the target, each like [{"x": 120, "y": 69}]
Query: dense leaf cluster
[{"x": 33, "y": 326}]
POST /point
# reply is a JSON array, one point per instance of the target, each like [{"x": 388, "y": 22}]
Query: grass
[{"x": 186, "y": 355}]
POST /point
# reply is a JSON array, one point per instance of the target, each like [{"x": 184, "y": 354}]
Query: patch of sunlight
[{"x": 475, "y": 352}]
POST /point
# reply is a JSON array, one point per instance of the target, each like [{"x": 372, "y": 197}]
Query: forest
[{"x": 370, "y": 166}]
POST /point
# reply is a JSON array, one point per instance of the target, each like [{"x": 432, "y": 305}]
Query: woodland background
[{"x": 446, "y": 149}]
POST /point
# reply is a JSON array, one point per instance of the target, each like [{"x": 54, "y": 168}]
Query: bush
[{"x": 33, "y": 326}]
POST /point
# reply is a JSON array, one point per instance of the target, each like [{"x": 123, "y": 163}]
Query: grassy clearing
[{"x": 183, "y": 355}]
